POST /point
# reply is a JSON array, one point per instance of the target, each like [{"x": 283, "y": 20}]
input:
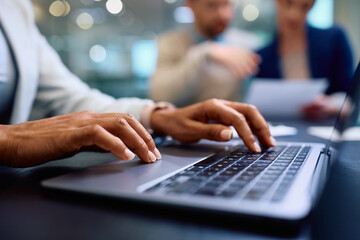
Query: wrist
[
  {"x": 148, "y": 112},
  {"x": 3, "y": 144},
  {"x": 159, "y": 120}
]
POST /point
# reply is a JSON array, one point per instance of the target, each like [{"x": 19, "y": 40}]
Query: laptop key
[
  {"x": 254, "y": 194},
  {"x": 183, "y": 187}
]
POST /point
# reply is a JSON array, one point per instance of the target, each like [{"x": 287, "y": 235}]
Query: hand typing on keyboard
[
  {"x": 190, "y": 124},
  {"x": 37, "y": 142}
]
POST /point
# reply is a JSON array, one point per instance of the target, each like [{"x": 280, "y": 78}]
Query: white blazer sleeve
[{"x": 61, "y": 92}]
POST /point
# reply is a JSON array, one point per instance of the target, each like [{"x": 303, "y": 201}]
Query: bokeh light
[
  {"x": 97, "y": 53},
  {"x": 170, "y": 1},
  {"x": 250, "y": 12},
  {"x": 114, "y": 6},
  {"x": 85, "y": 21},
  {"x": 57, "y": 8},
  {"x": 183, "y": 15},
  {"x": 67, "y": 8}
]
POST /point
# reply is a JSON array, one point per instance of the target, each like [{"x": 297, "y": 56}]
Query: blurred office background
[{"x": 111, "y": 44}]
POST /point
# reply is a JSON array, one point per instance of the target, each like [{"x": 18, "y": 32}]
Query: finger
[
  {"x": 216, "y": 132},
  {"x": 256, "y": 121},
  {"x": 132, "y": 139},
  {"x": 132, "y": 133},
  {"x": 228, "y": 115},
  {"x": 145, "y": 135},
  {"x": 98, "y": 136}
]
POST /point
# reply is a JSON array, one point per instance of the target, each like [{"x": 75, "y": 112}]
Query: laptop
[{"x": 281, "y": 183}]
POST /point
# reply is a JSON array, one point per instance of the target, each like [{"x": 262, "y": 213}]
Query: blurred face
[
  {"x": 291, "y": 14},
  {"x": 211, "y": 16}
]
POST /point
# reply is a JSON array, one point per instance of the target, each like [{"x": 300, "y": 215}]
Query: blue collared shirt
[
  {"x": 198, "y": 38},
  {"x": 7, "y": 78}
]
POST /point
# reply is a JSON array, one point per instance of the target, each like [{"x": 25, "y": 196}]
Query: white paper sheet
[
  {"x": 325, "y": 132},
  {"x": 275, "y": 130},
  {"x": 283, "y": 98}
]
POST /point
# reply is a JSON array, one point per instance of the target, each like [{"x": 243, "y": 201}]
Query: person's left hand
[
  {"x": 322, "y": 107},
  {"x": 192, "y": 123}
]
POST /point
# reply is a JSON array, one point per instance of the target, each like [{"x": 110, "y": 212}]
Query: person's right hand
[
  {"x": 241, "y": 62},
  {"x": 32, "y": 143}
]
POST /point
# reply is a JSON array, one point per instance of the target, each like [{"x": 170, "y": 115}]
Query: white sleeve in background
[{"x": 61, "y": 92}]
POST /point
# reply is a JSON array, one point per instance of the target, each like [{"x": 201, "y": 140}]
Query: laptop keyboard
[{"x": 239, "y": 174}]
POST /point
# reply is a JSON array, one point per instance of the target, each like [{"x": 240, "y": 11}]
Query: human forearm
[
  {"x": 178, "y": 81},
  {"x": 33, "y": 143}
]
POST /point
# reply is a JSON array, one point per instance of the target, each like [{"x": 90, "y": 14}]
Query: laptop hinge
[{"x": 320, "y": 175}]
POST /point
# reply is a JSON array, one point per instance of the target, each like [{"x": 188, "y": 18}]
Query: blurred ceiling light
[
  {"x": 59, "y": 8},
  {"x": 250, "y": 12},
  {"x": 170, "y": 1},
  {"x": 183, "y": 15},
  {"x": 97, "y": 53},
  {"x": 67, "y": 8},
  {"x": 114, "y": 6},
  {"x": 85, "y": 21}
]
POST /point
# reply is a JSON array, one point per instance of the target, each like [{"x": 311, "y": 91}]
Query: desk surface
[{"x": 27, "y": 211}]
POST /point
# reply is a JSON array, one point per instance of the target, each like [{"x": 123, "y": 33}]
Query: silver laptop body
[{"x": 173, "y": 180}]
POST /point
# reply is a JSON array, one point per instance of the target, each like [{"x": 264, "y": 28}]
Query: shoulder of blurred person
[
  {"x": 173, "y": 45},
  {"x": 329, "y": 53},
  {"x": 331, "y": 56}
]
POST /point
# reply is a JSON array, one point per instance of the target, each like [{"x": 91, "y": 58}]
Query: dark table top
[{"x": 28, "y": 211}]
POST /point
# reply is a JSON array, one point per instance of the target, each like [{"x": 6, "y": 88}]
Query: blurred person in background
[
  {"x": 32, "y": 74},
  {"x": 205, "y": 60},
  {"x": 301, "y": 52}
]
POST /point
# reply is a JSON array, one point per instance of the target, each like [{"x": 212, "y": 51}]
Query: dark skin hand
[
  {"x": 36, "y": 142},
  {"x": 190, "y": 124}
]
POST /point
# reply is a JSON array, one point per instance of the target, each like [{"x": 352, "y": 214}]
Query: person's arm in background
[
  {"x": 177, "y": 79},
  {"x": 61, "y": 92},
  {"x": 177, "y": 73},
  {"x": 342, "y": 69}
]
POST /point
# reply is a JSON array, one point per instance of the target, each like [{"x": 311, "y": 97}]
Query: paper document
[
  {"x": 275, "y": 130},
  {"x": 325, "y": 132},
  {"x": 283, "y": 98}
]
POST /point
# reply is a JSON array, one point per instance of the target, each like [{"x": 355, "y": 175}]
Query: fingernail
[
  {"x": 257, "y": 147},
  {"x": 129, "y": 155},
  {"x": 157, "y": 154},
  {"x": 226, "y": 134},
  {"x": 151, "y": 156},
  {"x": 273, "y": 141}
]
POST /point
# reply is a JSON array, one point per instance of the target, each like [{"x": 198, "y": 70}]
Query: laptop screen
[{"x": 348, "y": 117}]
